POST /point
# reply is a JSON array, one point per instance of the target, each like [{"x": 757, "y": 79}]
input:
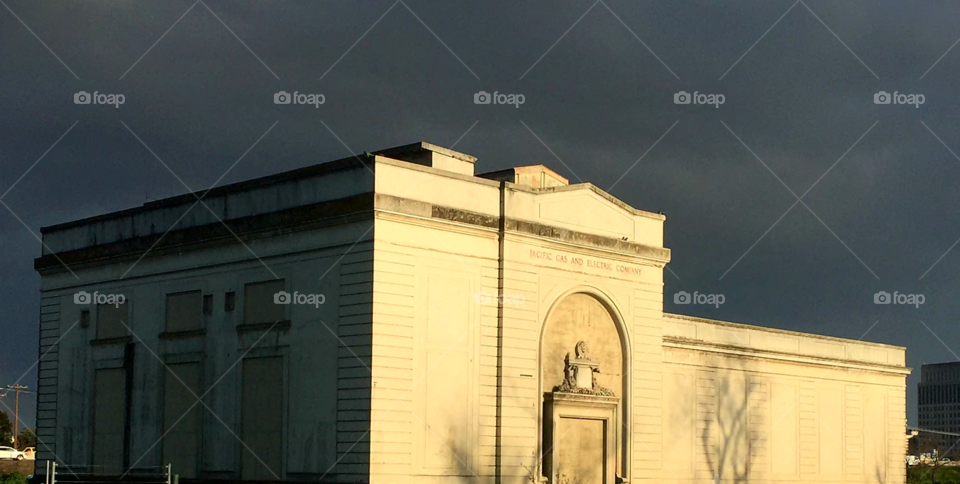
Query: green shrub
[
  {"x": 13, "y": 478},
  {"x": 924, "y": 475}
]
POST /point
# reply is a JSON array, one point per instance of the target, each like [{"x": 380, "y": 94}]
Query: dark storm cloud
[{"x": 798, "y": 80}]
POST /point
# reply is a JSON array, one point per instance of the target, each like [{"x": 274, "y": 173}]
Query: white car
[{"x": 10, "y": 453}]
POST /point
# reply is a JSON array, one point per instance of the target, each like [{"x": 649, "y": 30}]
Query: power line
[{"x": 21, "y": 391}]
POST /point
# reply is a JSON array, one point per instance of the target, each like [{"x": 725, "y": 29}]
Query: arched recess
[{"x": 586, "y": 313}]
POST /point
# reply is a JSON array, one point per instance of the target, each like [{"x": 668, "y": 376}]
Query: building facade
[
  {"x": 938, "y": 395},
  {"x": 395, "y": 318}
]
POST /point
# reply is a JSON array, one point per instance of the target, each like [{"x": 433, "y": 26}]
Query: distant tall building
[{"x": 939, "y": 406}]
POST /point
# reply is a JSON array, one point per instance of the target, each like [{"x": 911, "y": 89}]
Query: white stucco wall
[{"x": 411, "y": 371}]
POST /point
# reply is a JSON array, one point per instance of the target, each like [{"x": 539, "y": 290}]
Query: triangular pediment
[{"x": 586, "y": 208}]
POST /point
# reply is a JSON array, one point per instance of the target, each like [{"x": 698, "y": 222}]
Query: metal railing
[{"x": 95, "y": 474}]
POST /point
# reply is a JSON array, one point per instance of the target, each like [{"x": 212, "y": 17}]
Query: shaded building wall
[
  {"x": 48, "y": 379},
  {"x": 301, "y": 226},
  {"x": 298, "y": 398}
]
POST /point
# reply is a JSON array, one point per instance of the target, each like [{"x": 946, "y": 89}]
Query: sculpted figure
[
  {"x": 582, "y": 350},
  {"x": 572, "y": 369}
]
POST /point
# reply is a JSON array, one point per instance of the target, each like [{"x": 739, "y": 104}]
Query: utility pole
[{"x": 16, "y": 413}]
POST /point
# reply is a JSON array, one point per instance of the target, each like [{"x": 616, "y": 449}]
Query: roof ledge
[
  {"x": 429, "y": 154},
  {"x": 531, "y": 176}
]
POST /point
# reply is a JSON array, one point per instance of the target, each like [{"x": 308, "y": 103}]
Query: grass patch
[
  {"x": 13, "y": 478},
  {"x": 924, "y": 475}
]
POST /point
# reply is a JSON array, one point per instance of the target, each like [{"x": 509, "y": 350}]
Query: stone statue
[{"x": 579, "y": 374}]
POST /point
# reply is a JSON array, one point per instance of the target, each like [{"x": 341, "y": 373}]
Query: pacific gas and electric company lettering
[{"x": 576, "y": 261}]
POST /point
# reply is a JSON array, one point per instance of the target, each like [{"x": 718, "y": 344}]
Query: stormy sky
[{"x": 876, "y": 183}]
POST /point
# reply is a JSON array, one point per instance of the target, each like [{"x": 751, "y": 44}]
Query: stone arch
[{"x": 586, "y": 313}]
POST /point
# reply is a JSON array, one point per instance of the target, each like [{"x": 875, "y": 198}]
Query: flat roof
[
  {"x": 947, "y": 364},
  {"x": 780, "y": 331},
  {"x": 305, "y": 172},
  {"x": 353, "y": 161},
  {"x": 350, "y": 162}
]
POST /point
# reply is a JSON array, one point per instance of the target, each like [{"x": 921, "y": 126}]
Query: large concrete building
[{"x": 395, "y": 318}]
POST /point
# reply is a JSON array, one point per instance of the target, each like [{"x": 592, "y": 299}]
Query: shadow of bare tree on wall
[
  {"x": 727, "y": 441},
  {"x": 879, "y": 474}
]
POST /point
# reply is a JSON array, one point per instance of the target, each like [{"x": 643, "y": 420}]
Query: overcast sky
[{"x": 877, "y": 182}]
